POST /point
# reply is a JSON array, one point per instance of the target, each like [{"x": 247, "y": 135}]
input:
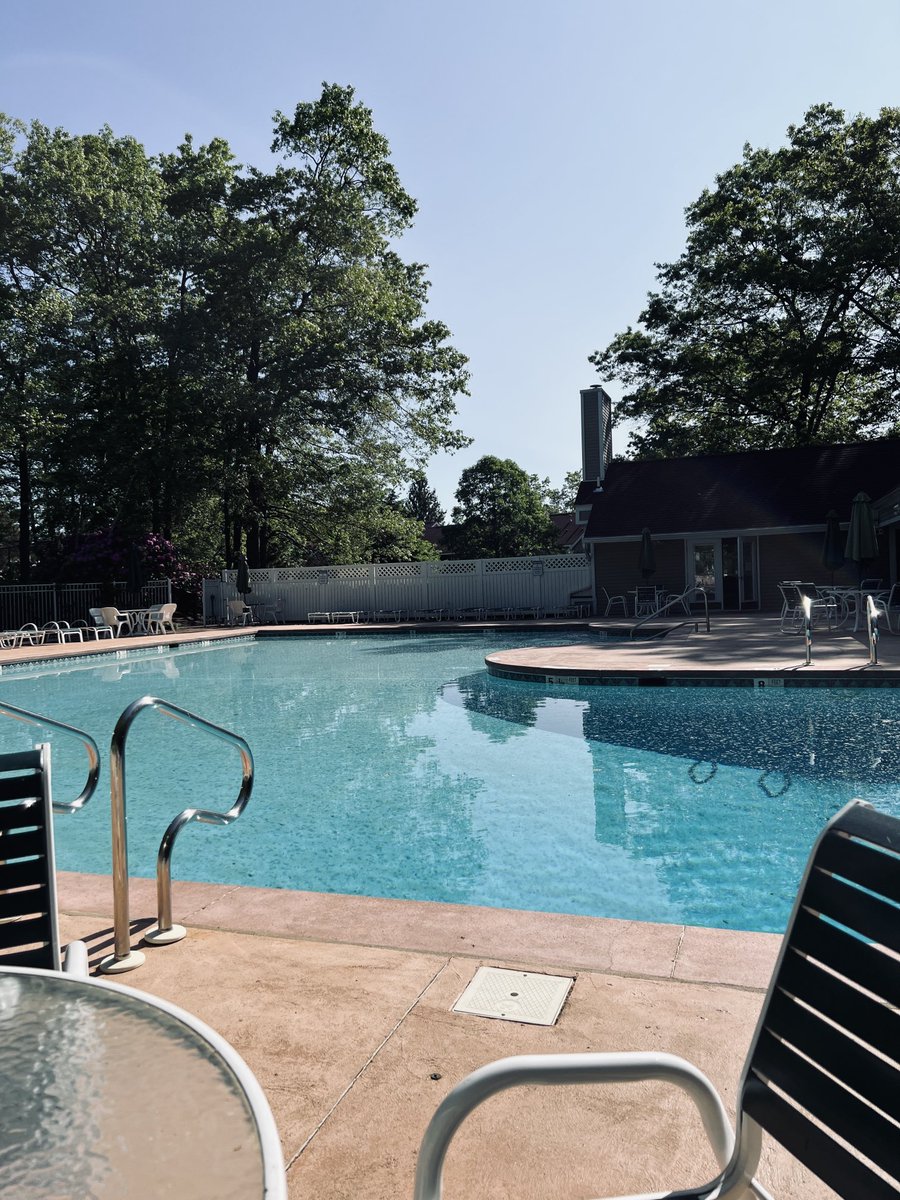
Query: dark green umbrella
[
  {"x": 647, "y": 561},
  {"x": 136, "y": 577},
  {"x": 862, "y": 536},
  {"x": 833, "y": 546},
  {"x": 242, "y": 583}
]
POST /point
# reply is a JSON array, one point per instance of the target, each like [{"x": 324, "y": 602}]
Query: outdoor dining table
[
  {"x": 140, "y": 620},
  {"x": 858, "y": 595},
  {"x": 109, "y": 1092}
]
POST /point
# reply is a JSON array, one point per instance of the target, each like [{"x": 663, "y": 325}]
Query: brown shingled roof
[{"x": 756, "y": 489}]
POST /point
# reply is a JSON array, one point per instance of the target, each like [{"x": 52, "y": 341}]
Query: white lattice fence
[{"x": 454, "y": 585}]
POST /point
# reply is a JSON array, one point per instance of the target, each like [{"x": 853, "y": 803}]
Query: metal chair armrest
[{"x": 527, "y": 1069}]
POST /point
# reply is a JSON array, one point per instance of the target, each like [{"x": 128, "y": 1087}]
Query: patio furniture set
[
  {"x": 105, "y": 623},
  {"x": 641, "y": 601},
  {"x": 835, "y": 606}
]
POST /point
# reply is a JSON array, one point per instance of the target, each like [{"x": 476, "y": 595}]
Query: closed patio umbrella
[
  {"x": 136, "y": 578},
  {"x": 647, "y": 561},
  {"x": 833, "y": 556},
  {"x": 862, "y": 536},
  {"x": 242, "y": 583}
]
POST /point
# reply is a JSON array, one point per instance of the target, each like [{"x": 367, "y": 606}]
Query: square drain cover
[{"x": 515, "y": 996}]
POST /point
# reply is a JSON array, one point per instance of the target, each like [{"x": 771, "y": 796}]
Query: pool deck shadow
[{"x": 341, "y": 1005}]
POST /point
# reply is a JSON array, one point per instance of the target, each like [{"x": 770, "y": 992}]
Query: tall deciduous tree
[
  {"x": 779, "y": 325},
  {"x": 500, "y": 512},
  {"x": 186, "y": 343}
]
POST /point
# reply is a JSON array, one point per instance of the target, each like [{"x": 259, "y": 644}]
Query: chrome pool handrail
[
  {"x": 872, "y": 630},
  {"x": 123, "y": 957},
  {"x": 806, "y": 605},
  {"x": 675, "y": 600},
  {"x": 93, "y": 752}
]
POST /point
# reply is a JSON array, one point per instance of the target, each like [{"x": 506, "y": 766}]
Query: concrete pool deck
[{"x": 341, "y": 1005}]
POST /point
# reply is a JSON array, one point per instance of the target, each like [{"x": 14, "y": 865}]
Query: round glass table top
[{"x": 106, "y": 1096}]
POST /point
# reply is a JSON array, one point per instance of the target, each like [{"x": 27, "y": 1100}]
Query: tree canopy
[
  {"x": 225, "y": 356},
  {"x": 422, "y": 503},
  {"x": 500, "y": 512},
  {"x": 779, "y": 325}
]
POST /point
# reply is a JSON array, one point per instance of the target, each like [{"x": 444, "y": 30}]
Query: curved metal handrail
[
  {"x": 93, "y": 752},
  {"x": 806, "y": 605},
  {"x": 675, "y": 600},
  {"x": 872, "y": 628},
  {"x": 123, "y": 958}
]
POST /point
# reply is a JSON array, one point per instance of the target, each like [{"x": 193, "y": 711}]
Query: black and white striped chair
[
  {"x": 29, "y": 930},
  {"x": 822, "y": 1077}
]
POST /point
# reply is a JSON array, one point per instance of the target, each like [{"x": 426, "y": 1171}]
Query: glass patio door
[
  {"x": 705, "y": 567},
  {"x": 748, "y": 555}
]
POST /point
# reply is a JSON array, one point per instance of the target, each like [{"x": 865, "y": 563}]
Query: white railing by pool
[{"x": 545, "y": 583}]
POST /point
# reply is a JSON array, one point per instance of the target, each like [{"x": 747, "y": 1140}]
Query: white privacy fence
[
  {"x": 21, "y": 603},
  {"x": 453, "y": 585}
]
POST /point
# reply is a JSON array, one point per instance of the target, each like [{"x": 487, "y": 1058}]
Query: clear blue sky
[{"x": 552, "y": 148}]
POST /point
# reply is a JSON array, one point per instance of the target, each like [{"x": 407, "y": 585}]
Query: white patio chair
[
  {"x": 645, "y": 601},
  {"x": 239, "y": 612},
  {"x": 99, "y": 626},
  {"x": 118, "y": 620},
  {"x": 273, "y": 612},
  {"x": 886, "y": 605},
  {"x": 159, "y": 618},
  {"x": 612, "y": 601},
  {"x": 821, "y": 1075}
]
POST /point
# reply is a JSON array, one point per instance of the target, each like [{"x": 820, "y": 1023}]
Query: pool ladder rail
[
  {"x": 682, "y": 600},
  {"x": 93, "y": 752},
  {"x": 123, "y": 957}
]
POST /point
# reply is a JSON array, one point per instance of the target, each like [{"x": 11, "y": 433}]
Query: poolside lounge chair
[
  {"x": 61, "y": 631},
  {"x": 29, "y": 932},
  {"x": 822, "y": 1074}
]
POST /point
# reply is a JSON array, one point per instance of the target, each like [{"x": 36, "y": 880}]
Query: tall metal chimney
[{"x": 596, "y": 440}]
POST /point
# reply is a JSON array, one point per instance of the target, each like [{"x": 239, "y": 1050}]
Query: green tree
[
  {"x": 562, "y": 499},
  {"x": 779, "y": 325},
  {"x": 422, "y": 502},
  {"x": 500, "y": 512}
]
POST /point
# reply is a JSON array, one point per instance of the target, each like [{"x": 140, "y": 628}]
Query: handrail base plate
[
  {"x": 164, "y": 937},
  {"x": 116, "y": 966}
]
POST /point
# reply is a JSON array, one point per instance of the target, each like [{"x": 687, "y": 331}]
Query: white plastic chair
[
  {"x": 117, "y": 620},
  {"x": 159, "y": 618},
  {"x": 239, "y": 613},
  {"x": 99, "y": 627}
]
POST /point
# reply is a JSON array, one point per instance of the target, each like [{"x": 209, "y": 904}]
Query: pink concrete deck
[{"x": 342, "y": 1005}]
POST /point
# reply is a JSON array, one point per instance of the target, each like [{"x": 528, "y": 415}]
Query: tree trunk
[{"x": 24, "y": 512}]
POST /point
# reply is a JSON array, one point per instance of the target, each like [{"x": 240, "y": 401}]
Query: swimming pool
[{"x": 392, "y": 765}]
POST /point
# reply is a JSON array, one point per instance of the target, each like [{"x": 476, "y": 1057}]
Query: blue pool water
[{"x": 395, "y": 766}]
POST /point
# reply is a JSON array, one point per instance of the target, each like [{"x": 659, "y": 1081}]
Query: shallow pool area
[{"x": 394, "y": 765}]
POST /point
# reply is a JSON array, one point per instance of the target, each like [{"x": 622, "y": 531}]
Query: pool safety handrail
[
  {"x": 676, "y": 600},
  {"x": 872, "y": 629},
  {"x": 123, "y": 957},
  {"x": 93, "y": 752},
  {"x": 806, "y": 605}
]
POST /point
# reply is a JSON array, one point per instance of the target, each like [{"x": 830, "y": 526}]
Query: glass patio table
[{"x": 111, "y": 1093}]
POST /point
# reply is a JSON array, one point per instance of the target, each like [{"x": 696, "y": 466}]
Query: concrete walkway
[{"x": 342, "y": 1008}]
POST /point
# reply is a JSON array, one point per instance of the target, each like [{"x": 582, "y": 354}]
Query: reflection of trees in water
[
  {"x": 515, "y": 711},
  {"x": 388, "y": 821}
]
